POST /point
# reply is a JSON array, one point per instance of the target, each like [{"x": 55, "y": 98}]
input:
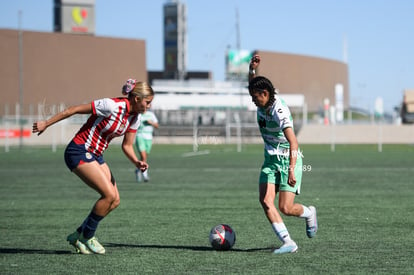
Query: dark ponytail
[{"x": 260, "y": 83}]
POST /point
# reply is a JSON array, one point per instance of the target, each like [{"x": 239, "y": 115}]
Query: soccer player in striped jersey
[
  {"x": 281, "y": 171},
  {"x": 109, "y": 118}
]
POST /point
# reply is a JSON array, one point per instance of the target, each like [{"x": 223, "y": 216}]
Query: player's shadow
[
  {"x": 155, "y": 246},
  {"x": 32, "y": 251},
  {"x": 184, "y": 247}
]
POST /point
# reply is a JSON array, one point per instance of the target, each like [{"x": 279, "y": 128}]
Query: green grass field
[{"x": 364, "y": 200}]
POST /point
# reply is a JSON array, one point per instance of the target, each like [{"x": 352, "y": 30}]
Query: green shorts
[
  {"x": 275, "y": 170},
  {"x": 143, "y": 145}
]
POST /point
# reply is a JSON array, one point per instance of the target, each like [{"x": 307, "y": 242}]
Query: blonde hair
[
  {"x": 142, "y": 90},
  {"x": 134, "y": 88}
]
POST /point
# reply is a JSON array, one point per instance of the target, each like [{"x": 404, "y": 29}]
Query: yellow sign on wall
[{"x": 78, "y": 15}]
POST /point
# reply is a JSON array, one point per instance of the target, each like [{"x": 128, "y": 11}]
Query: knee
[
  {"x": 286, "y": 210},
  {"x": 113, "y": 200},
  {"x": 110, "y": 198},
  {"x": 115, "y": 203}
]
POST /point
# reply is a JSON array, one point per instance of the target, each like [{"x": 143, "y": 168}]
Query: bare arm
[
  {"x": 153, "y": 123},
  {"x": 253, "y": 65},
  {"x": 40, "y": 126},
  {"x": 293, "y": 154},
  {"x": 128, "y": 148}
]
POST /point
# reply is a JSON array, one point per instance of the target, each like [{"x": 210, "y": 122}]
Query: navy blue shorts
[{"x": 76, "y": 154}]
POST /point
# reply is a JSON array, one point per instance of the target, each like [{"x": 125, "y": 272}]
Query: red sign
[{"x": 14, "y": 133}]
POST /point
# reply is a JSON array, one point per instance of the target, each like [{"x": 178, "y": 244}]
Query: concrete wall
[
  {"x": 356, "y": 134},
  {"x": 312, "y": 76},
  {"x": 67, "y": 68},
  {"x": 71, "y": 69}
]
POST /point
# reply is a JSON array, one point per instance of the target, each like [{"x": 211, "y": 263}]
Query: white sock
[
  {"x": 281, "y": 232},
  {"x": 145, "y": 173},
  {"x": 306, "y": 212}
]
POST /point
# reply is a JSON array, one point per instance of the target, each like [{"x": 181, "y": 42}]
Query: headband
[{"x": 129, "y": 86}]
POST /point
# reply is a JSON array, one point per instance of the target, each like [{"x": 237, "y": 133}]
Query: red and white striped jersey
[{"x": 110, "y": 118}]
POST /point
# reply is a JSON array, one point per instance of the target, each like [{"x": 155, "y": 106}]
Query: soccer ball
[{"x": 222, "y": 237}]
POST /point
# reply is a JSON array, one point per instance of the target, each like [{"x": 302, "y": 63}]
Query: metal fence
[{"x": 196, "y": 126}]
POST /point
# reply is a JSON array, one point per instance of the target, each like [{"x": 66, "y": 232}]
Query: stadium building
[{"x": 71, "y": 65}]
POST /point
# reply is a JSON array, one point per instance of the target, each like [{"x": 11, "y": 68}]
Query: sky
[{"x": 374, "y": 37}]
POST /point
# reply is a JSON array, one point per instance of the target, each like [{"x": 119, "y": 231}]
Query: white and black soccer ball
[{"x": 222, "y": 237}]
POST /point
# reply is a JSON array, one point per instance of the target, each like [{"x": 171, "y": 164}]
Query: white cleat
[{"x": 312, "y": 223}]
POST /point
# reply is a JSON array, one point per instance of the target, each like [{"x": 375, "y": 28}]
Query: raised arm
[
  {"x": 40, "y": 126},
  {"x": 254, "y": 63}
]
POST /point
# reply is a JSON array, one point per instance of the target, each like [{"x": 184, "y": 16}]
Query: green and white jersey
[
  {"x": 272, "y": 122},
  {"x": 145, "y": 130}
]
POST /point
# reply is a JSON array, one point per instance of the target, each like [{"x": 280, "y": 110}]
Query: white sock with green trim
[
  {"x": 281, "y": 232},
  {"x": 306, "y": 212}
]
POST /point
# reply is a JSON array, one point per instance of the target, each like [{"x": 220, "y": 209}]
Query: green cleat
[
  {"x": 73, "y": 240},
  {"x": 93, "y": 245}
]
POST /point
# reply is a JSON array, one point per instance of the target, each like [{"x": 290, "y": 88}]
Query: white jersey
[
  {"x": 145, "y": 129},
  {"x": 272, "y": 122}
]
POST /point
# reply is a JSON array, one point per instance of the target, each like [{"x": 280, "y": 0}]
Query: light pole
[{"x": 20, "y": 80}]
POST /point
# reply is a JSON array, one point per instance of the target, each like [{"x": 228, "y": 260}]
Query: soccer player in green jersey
[
  {"x": 143, "y": 141},
  {"x": 281, "y": 171}
]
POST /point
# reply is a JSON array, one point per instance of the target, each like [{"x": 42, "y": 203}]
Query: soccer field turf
[{"x": 364, "y": 200}]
